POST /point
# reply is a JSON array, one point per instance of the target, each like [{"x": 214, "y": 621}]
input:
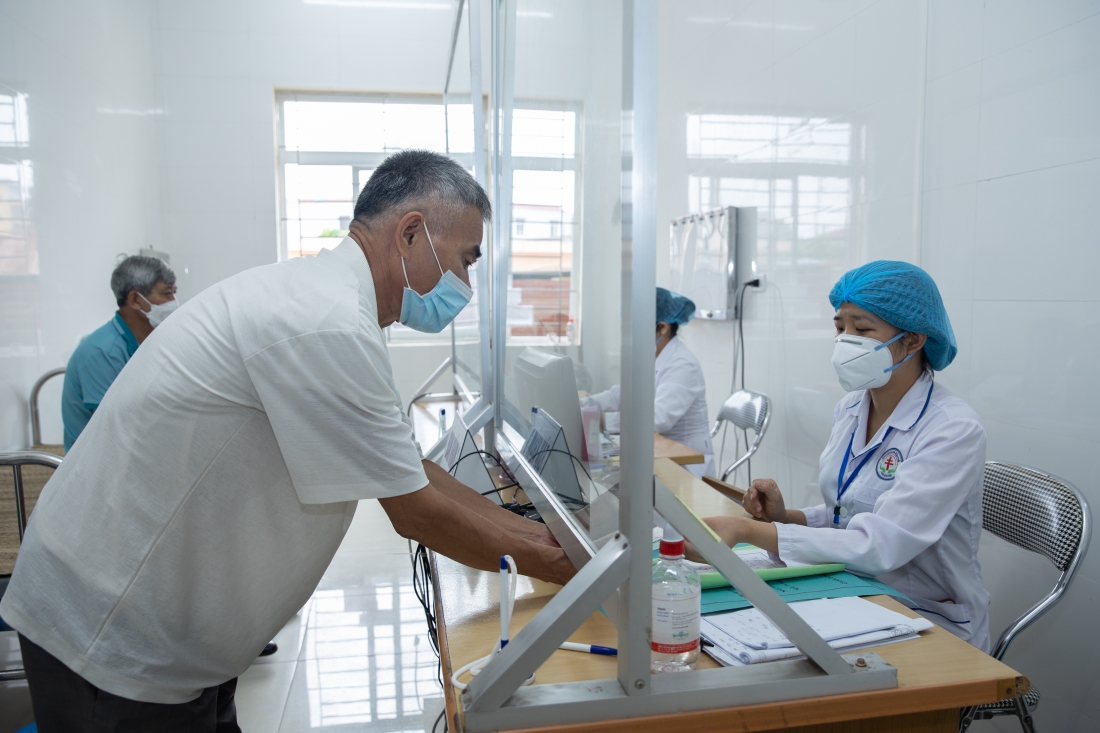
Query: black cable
[
  {"x": 741, "y": 340},
  {"x": 500, "y": 465},
  {"x": 502, "y": 488},
  {"x": 436, "y": 723},
  {"x": 424, "y": 589},
  {"x": 741, "y": 329},
  {"x": 478, "y": 453},
  {"x": 558, "y": 450}
]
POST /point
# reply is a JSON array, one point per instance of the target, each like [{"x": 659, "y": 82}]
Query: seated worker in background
[
  {"x": 680, "y": 394},
  {"x": 901, "y": 476},
  {"x": 200, "y": 508},
  {"x": 145, "y": 289}
]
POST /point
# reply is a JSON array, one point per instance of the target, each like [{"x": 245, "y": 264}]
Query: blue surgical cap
[
  {"x": 904, "y": 296},
  {"x": 673, "y": 307}
]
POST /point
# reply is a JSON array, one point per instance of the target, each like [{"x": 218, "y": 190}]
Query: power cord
[
  {"x": 503, "y": 468},
  {"x": 558, "y": 450},
  {"x": 739, "y": 350},
  {"x": 424, "y": 589}
]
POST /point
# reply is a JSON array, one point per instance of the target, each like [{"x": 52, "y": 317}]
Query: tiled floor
[{"x": 357, "y": 657}]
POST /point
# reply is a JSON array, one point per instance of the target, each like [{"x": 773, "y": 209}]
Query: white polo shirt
[
  {"x": 207, "y": 495},
  {"x": 912, "y": 516}
]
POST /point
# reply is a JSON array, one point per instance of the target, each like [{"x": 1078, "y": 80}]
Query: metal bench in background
[
  {"x": 26, "y": 490},
  {"x": 36, "y": 423}
]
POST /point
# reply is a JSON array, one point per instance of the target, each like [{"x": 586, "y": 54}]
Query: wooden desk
[
  {"x": 678, "y": 452},
  {"x": 937, "y": 674}
]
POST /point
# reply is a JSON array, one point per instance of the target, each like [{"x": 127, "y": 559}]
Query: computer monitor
[{"x": 545, "y": 380}]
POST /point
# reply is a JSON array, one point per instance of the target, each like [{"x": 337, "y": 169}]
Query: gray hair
[
  {"x": 141, "y": 274},
  {"x": 420, "y": 175}
]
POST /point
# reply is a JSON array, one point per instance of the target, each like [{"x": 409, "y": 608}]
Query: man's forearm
[
  {"x": 460, "y": 493},
  {"x": 449, "y": 528}
]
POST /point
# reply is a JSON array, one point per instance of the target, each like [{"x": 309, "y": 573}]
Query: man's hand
[
  {"x": 456, "y": 530},
  {"x": 764, "y": 501}
]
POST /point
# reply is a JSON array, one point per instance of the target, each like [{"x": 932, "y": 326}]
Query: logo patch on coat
[{"x": 888, "y": 464}]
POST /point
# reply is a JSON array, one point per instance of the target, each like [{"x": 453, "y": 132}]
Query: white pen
[{"x": 572, "y": 646}]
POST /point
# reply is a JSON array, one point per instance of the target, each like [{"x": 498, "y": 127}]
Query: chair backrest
[
  {"x": 746, "y": 409},
  {"x": 1035, "y": 511},
  {"x": 1040, "y": 513}
]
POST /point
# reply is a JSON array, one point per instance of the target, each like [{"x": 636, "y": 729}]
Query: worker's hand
[
  {"x": 729, "y": 529},
  {"x": 763, "y": 501},
  {"x": 735, "y": 530}
]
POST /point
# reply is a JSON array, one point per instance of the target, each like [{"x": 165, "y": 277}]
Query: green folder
[
  {"x": 832, "y": 585},
  {"x": 717, "y": 580}
]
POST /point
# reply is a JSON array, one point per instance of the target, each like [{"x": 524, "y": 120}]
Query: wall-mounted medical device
[{"x": 713, "y": 255}]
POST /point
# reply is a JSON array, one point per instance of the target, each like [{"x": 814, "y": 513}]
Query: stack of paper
[{"x": 747, "y": 637}]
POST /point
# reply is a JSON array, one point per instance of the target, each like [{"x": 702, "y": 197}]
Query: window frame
[{"x": 370, "y": 160}]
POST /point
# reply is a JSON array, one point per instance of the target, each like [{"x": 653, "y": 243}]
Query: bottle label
[{"x": 675, "y": 625}]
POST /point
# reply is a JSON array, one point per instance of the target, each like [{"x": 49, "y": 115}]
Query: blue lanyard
[{"x": 841, "y": 484}]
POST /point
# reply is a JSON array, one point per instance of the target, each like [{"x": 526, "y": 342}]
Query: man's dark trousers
[{"x": 64, "y": 702}]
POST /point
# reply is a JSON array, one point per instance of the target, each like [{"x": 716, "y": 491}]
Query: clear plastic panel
[{"x": 564, "y": 271}]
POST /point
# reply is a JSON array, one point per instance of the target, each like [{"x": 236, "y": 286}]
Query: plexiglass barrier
[{"x": 562, "y": 246}]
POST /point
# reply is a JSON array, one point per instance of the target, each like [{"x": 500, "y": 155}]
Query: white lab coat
[
  {"x": 679, "y": 404},
  {"x": 912, "y": 517}
]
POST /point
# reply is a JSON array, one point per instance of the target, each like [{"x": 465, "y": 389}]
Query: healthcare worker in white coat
[
  {"x": 680, "y": 394},
  {"x": 901, "y": 476}
]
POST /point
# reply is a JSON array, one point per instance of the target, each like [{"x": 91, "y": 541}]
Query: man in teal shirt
[{"x": 145, "y": 289}]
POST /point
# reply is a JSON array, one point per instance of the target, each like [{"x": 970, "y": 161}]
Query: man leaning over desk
[{"x": 212, "y": 487}]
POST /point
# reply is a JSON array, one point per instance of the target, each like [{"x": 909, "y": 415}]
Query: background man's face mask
[
  {"x": 864, "y": 363},
  {"x": 432, "y": 312},
  {"x": 159, "y": 311}
]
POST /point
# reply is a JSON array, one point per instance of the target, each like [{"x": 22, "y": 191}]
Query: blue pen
[
  {"x": 589, "y": 649},
  {"x": 504, "y": 620}
]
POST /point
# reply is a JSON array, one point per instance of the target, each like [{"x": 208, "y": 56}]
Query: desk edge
[
  {"x": 456, "y": 717},
  {"x": 810, "y": 711}
]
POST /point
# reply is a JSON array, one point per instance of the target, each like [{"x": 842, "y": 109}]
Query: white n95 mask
[
  {"x": 864, "y": 363},
  {"x": 159, "y": 311}
]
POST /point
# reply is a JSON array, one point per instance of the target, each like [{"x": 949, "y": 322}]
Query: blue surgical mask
[{"x": 432, "y": 312}]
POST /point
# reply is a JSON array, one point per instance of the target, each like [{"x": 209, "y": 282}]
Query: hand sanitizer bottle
[{"x": 674, "y": 640}]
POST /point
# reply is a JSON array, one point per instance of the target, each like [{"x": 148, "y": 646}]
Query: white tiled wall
[
  {"x": 973, "y": 150},
  {"x": 218, "y": 64},
  {"x": 1007, "y": 151},
  {"x": 86, "y": 71}
]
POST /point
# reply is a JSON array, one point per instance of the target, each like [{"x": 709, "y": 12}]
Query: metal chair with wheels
[
  {"x": 1040, "y": 513},
  {"x": 24, "y": 486},
  {"x": 746, "y": 410}
]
